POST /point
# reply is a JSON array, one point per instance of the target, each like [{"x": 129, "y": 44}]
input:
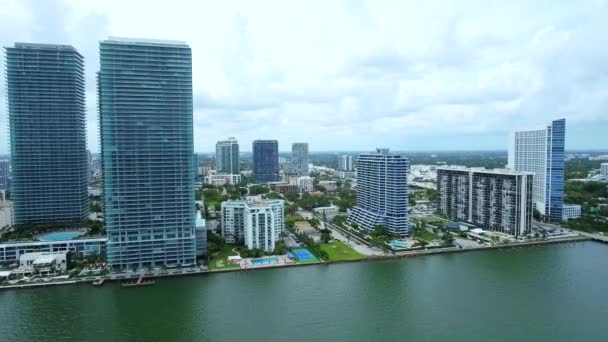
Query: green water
[{"x": 548, "y": 293}]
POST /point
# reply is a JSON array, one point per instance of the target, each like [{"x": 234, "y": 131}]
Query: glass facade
[
  {"x": 266, "y": 161},
  {"x": 556, "y": 136},
  {"x": 227, "y": 156},
  {"x": 299, "y": 158},
  {"x": 145, "y": 115},
  {"x": 46, "y": 105},
  {"x": 382, "y": 192}
]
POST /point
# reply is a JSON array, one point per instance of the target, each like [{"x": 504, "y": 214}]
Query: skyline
[{"x": 355, "y": 73}]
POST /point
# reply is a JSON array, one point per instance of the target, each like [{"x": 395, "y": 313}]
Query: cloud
[{"x": 356, "y": 74}]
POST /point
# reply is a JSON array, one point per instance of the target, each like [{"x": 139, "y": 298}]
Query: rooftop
[{"x": 145, "y": 41}]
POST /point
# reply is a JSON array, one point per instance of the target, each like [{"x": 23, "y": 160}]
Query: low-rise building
[
  {"x": 305, "y": 183},
  {"x": 571, "y": 211},
  {"x": 6, "y": 214},
  {"x": 347, "y": 174},
  {"x": 219, "y": 179},
  {"x": 329, "y": 212},
  {"x": 256, "y": 223},
  {"x": 10, "y": 251},
  {"x": 45, "y": 262},
  {"x": 329, "y": 185},
  {"x": 285, "y": 188}
]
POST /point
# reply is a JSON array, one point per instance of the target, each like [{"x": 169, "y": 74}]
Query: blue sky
[{"x": 353, "y": 75}]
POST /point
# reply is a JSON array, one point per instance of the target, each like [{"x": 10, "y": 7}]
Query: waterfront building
[
  {"x": 145, "y": 111},
  {"x": 497, "y": 200},
  {"x": 256, "y": 223},
  {"x": 10, "y": 251},
  {"x": 227, "y": 156},
  {"x": 5, "y": 174},
  {"x": 382, "y": 192},
  {"x": 604, "y": 169},
  {"x": 345, "y": 163},
  {"x": 45, "y": 263},
  {"x": 266, "y": 161},
  {"x": 200, "y": 232},
  {"x": 299, "y": 159},
  {"x": 541, "y": 151},
  {"x": 46, "y": 110},
  {"x": 571, "y": 211}
]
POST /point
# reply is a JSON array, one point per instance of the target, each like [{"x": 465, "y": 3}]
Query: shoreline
[{"x": 400, "y": 255}]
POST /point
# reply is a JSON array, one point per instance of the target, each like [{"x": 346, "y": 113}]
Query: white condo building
[
  {"x": 497, "y": 200},
  {"x": 541, "y": 152},
  {"x": 256, "y": 223},
  {"x": 382, "y": 192},
  {"x": 604, "y": 169},
  {"x": 345, "y": 163}
]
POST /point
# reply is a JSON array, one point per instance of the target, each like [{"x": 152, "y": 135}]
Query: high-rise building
[
  {"x": 604, "y": 169},
  {"x": 345, "y": 163},
  {"x": 266, "y": 161},
  {"x": 227, "y": 156},
  {"x": 497, "y": 200},
  {"x": 5, "y": 174},
  {"x": 541, "y": 151},
  {"x": 299, "y": 158},
  {"x": 46, "y": 106},
  {"x": 382, "y": 192},
  {"x": 145, "y": 115},
  {"x": 257, "y": 224}
]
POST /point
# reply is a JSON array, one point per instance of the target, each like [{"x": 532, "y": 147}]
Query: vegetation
[
  {"x": 312, "y": 246},
  {"x": 218, "y": 259},
  {"x": 326, "y": 235},
  {"x": 580, "y": 167},
  {"x": 273, "y": 195},
  {"x": 280, "y": 248},
  {"x": 338, "y": 251},
  {"x": 258, "y": 190},
  {"x": 347, "y": 198},
  {"x": 31, "y": 231},
  {"x": 585, "y": 193},
  {"x": 291, "y": 220},
  {"x": 213, "y": 198},
  {"x": 309, "y": 202},
  {"x": 379, "y": 236}
]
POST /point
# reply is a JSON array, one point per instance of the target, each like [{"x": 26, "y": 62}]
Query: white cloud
[{"x": 355, "y": 74}]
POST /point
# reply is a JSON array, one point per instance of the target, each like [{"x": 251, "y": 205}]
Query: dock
[{"x": 140, "y": 282}]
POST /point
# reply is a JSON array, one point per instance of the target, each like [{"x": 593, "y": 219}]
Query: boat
[{"x": 99, "y": 282}]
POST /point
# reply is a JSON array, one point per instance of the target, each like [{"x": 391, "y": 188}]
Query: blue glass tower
[
  {"x": 145, "y": 115},
  {"x": 556, "y": 137},
  {"x": 266, "y": 161},
  {"x": 46, "y": 105}
]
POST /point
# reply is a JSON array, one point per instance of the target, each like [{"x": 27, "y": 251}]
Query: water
[
  {"x": 60, "y": 236},
  {"x": 264, "y": 261},
  {"x": 547, "y": 293},
  {"x": 398, "y": 244}
]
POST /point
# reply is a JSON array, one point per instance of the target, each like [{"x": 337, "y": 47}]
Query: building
[
  {"x": 258, "y": 224},
  {"x": 5, "y": 174},
  {"x": 497, "y": 200},
  {"x": 541, "y": 151},
  {"x": 200, "y": 232},
  {"x": 45, "y": 263},
  {"x": 6, "y": 214},
  {"x": 345, "y": 163},
  {"x": 329, "y": 185},
  {"x": 10, "y": 251},
  {"x": 227, "y": 156},
  {"x": 305, "y": 184},
  {"x": 382, "y": 192},
  {"x": 327, "y": 212},
  {"x": 266, "y": 161},
  {"x": 145, "y": 114},
  {"x": 571, "y": 212},
  {"x": 285, "y": 188},
  {"x": 604, "y": 169},
  {"x": 221, "y": 179},
  {"x": 46, "y": 110},
  {"x": 347, "y": 174},
  {"x": 299, "y": 159}
]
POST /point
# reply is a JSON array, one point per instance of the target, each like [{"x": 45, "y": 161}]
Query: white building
[
  {"x": 305, "y": 184},
  {"x": 541, "y": 151},
  {"x": 571, "y": 211},
  {"x": 6, "y": 214},
  {"x": 347, "y": 174},
  {"x": 330, "y": 212},
  {"x": 329, "y": 185},
  {"x": 227, "y": 156},
  {"x": 345, "y": 163},
  {"x": 497, "y": 200},
  {"x": 604, "y": 169},
  {"x": 219, "y": 179},
  {"x": 257, "y": 224},
  {"x": 44, "y": 262}
]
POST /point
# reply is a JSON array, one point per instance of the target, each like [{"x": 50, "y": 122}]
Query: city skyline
[{"x": 472, "y": 72}]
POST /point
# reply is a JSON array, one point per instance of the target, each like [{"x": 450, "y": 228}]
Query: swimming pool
[
  {"x": 398, "y": 244},
  {"x": 60, "y": 236},
  {"x": 265, "y": 261}
]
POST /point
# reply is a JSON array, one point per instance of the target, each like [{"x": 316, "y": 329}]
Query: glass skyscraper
[
  {"x": 541, "y": 151},
  {"x": 382, "y": 192},
  {"x": 227, "y": 156},
  {"x": 46, "y": 106},
  {"x": 299, "y": 158},
  {"x": 266, "y": 161},
  {"x": 145, "y": 115}
]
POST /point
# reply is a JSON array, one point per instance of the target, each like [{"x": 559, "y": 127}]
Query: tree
[
  {"x": 412, "y": 199},
  {"x": 314, "y": 222},
  {"x": 326, "y": 235},
  {"x": 448, "y": 239},
  {"x": 258, "y": 190},
  {"x": 292, "y": 209}
]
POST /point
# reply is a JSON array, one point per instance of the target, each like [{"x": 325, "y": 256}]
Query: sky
[{"x": 354, "y": 74}]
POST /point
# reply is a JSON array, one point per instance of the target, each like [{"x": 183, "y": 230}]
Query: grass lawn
[
  {"x": 218, "y": 260},
  {"x": 433, "y": 219},
  {"x": 426, "y": 235},
  {"x": 338, "y": 250}
]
